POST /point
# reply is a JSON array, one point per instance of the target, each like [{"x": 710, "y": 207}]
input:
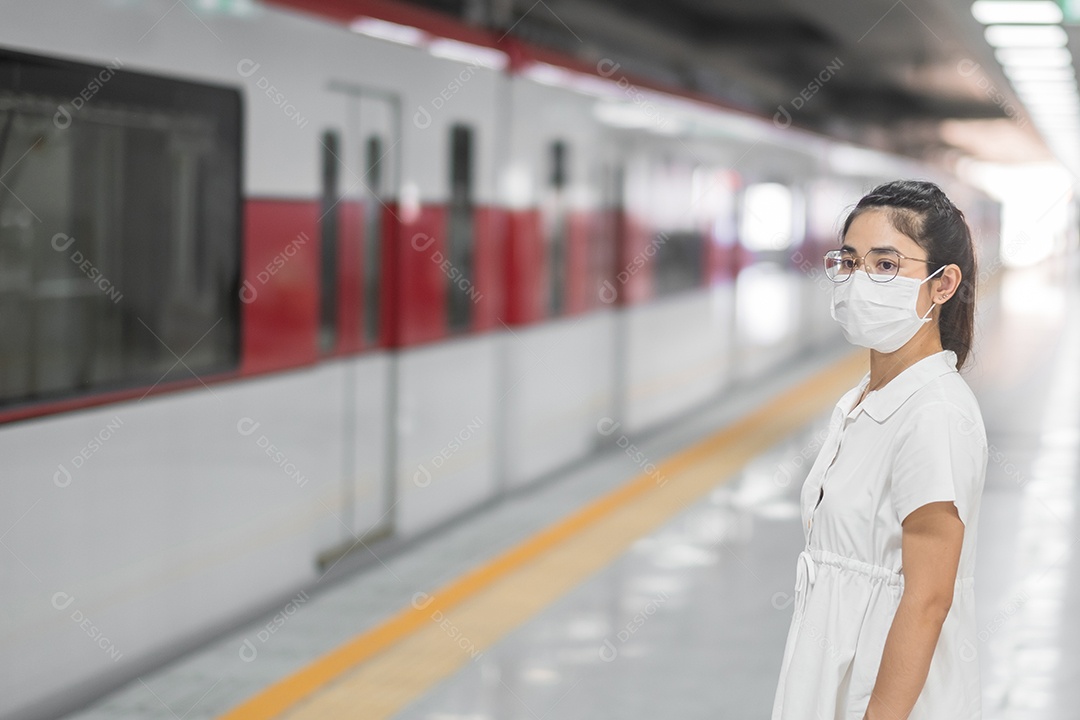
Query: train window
[
  {"x": 558, "y": 165},
  {"x": 678, "y": 245},
  {"x": 459, "y": 237},
  {"x": 328, "y": 234},
  {"x": 372, "y": 235},
  {"x": 767, "y": 217},
  {"x": 119, "y": 229},
  {"x": 555, "y": 225},
  {"x": 679, "y": 261},
  {"x": 605, "y": 250}
]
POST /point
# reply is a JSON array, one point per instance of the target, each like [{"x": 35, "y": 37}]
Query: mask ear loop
[
  {"x": 926, "y": 317},
  {"x": 932, "y": 274}
]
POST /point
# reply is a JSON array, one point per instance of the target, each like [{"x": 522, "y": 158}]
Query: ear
[{"x": 944, "y": 286}]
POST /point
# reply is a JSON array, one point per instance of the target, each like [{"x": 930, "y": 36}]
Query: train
[{"x": 282, "y": 283}]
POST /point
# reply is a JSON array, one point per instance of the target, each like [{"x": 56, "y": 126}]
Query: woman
[{"x": 884, "y": 621}]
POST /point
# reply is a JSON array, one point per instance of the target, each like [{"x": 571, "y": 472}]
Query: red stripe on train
[
  {"x": 280, "y": 289},
  {"x": 280, "y": 284}
]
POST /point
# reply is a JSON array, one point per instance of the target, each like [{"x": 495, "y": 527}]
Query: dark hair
[{"x": 920, "y": 210}]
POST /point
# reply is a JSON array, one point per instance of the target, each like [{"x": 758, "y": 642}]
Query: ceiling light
[
  {"x": 1056, "y": 122},
  {"x": 1034, "y": 57},
  {"x": 1044, "y": 86},
  {"x": 1055, "y": 94},
  {"x": 1044, "y": 110},
  {"x": 1052, "y": 115},
  {"x": 1031, "y": 86},
  {"x": 1058, "y": 128},
  {"x": 1021, "y": 11},
  {"x": 1057, "y": 136},
  {"x": 1037, "y": 73},
  {"x": 1025, "y": 36},
  {"x": 1068, "y": 106},
  {"x": 1051, "y": 98},
  {"x": 1064, "y": 118},
  {"x": 1057, "y": 119}
]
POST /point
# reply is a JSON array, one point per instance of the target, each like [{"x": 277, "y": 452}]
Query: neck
[{"x": 885, "y": 366}]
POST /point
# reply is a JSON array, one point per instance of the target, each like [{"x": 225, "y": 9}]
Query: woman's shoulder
[{"x": 949, "y": 395}]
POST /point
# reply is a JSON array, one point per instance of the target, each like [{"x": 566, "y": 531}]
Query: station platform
[{"x": 656, "y": 579}]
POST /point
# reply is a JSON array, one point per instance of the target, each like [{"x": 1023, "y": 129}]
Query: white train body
[{"x": 140, "y": 519}]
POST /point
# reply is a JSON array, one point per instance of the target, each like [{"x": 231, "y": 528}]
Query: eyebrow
[{"x": 880, "y": 247}]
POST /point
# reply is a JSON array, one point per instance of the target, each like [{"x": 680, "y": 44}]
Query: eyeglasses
[{"x": 885, "y": 264}]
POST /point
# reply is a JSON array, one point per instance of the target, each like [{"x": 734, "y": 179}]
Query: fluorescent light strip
[
  {"x": 1052, "y": 114},
  {"x": 1021, "y": 74},
  {"x": 1065, "y": 112},
  {"x": 1034, "y": 57},
  {"x": 1053, "y": 110},
  {"x": 1065, "y": 123},
  {"x": 1051, "y": 98},
  {"x": 1034, "y": 36},
  {"x": 1047, "y": 97},
  {"x": 1022, "y": 11},
  {"x": 1064, "y": 85}
]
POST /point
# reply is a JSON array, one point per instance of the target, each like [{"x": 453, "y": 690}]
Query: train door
[{"x": 367, "y": 154}]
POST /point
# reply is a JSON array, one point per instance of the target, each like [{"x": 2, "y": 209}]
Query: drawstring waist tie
[{"x": 806, "y": 571}]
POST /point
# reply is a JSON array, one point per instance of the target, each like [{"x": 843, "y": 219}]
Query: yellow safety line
[{"x": 725, "y": 451}]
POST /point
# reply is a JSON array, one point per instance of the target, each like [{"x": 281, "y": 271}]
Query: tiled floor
[{"x": 690, "y": 622}]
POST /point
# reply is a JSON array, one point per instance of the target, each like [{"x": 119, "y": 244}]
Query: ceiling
[{"x": 911, "y": 76}]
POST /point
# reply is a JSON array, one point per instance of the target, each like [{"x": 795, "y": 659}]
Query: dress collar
[{"x": 881, "y": 403}]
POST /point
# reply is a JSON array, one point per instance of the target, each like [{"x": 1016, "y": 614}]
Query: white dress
[{"x": 918, "y": 439}]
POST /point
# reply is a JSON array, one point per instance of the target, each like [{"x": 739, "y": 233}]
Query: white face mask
[{"x": 879, "y": 315}]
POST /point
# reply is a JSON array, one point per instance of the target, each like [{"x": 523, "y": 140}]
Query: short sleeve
[{"x": 941, "y": 456}]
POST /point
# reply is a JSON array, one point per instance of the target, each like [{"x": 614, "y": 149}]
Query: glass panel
[
  {"x": 119, "y": 227},
  {"x": 373, "y": 235},
  {"x": 328, "y": 227},
  {"x": 555, "y": 227},
  {"x": 460, "y": 228},
  {"x": 680, "y": 261},
  {"x": 768, "y": 217}
]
